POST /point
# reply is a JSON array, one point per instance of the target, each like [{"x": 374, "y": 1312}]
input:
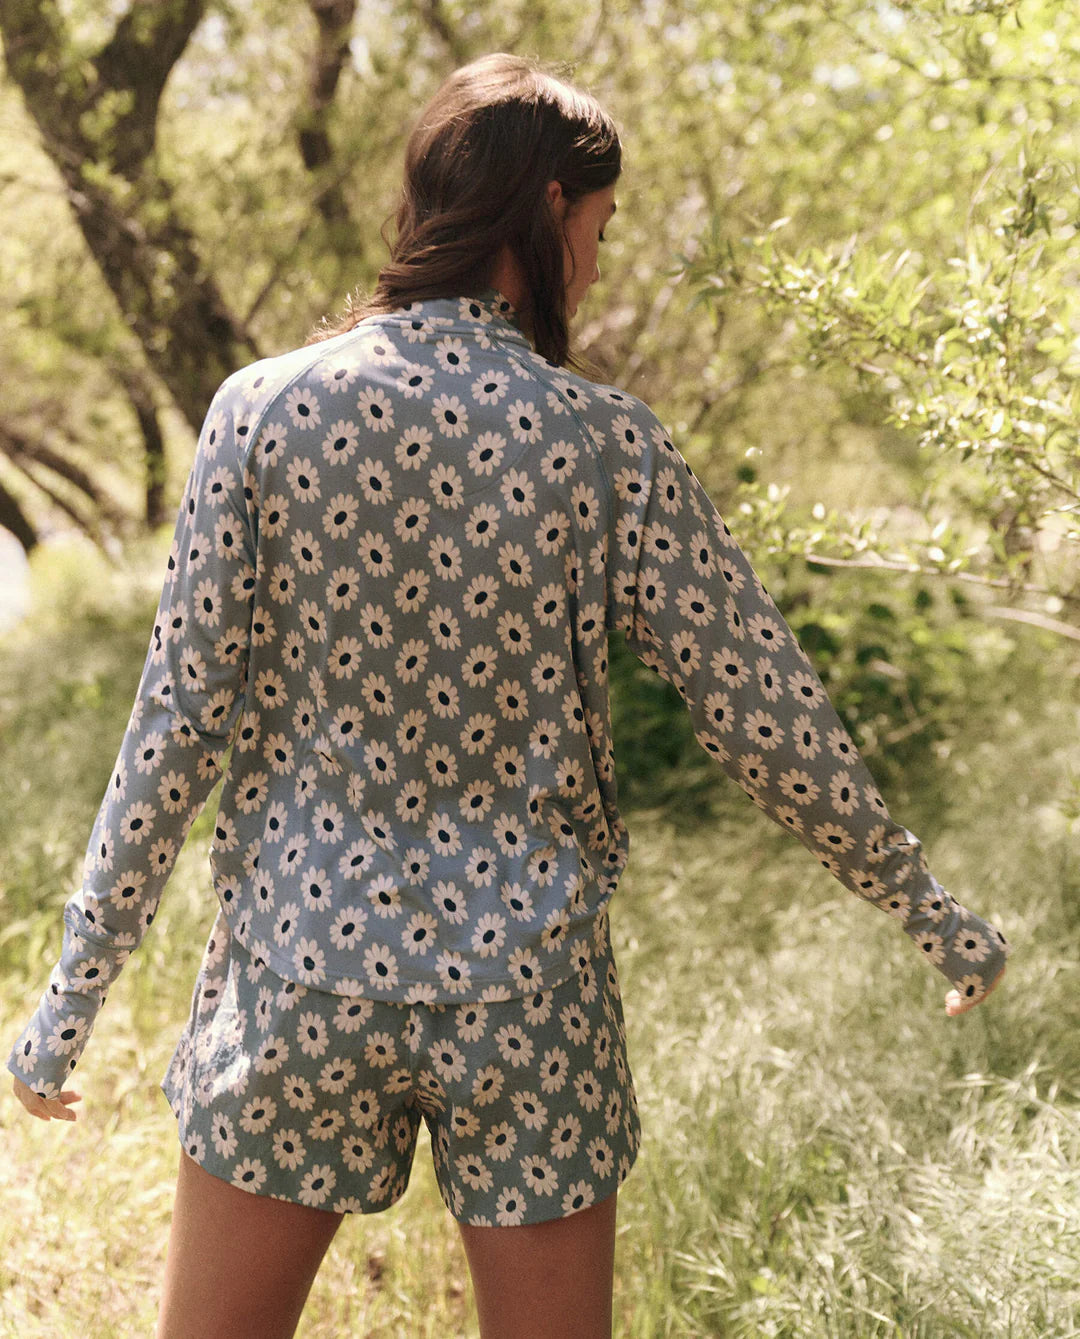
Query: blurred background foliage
[{"x": 842, "y": 271}]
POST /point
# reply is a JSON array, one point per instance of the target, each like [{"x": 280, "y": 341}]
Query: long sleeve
[
  {"x": 188, "y": 700},
  {"x": 693, "y": 609}
]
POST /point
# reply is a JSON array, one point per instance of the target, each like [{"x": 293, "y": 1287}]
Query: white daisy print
[
  {"x": 378, "y": 349},
  {"x": 833, "y": 837},
  {"x": 487, "y": 453},
  {"x": 490, "y": 386},
  {"x": 763, "y": 729},
  {"x": 799, "y": 786},
  {"x": 337, "y": 377},
  {"x": 971, "y": 987},
  {"x": 451, "y": 416},
  {"x": 805, "y": 737},
  {"x": 842, "y": 793},
  {"x": 529, "y": 1110},
  {"x": 500, "y": 1142},
  {"x": 805, "y": 688},
  {"x": 413, "y": 448},
  {"x": 375, "y": 481},
  {"x": 524, "y": 421},
  {"x": 483, "y": 525},
  {"x": 972, "y": 946},
  {"x": 538, "y": 1175},
  {"x": 768, "y": 680},
  {"x": 934, "y": 907},
  {"x": 454, "y": 972},
  {"x": 302, "y": 406},
  {"x": 340, "y": 442},
  {"x": 347, "y": 928},
  {"x": 510, "y": 1208},
  {"x": 452, "y": 355},
  {"x": 398, "y": 560},
  {"x": 317, "y": 1184},
  {"x": 415, "y": 380},
  {"x": 380, "y": 967},
  {"x": 447, "y": 486},
  {"x": 519, "y": 493},
  {"x": 579, "y": 1196},
  {"x": 932, "y": 946},
  {"x": 376, "y": 409},
  {"x": 309, "y": 962}
]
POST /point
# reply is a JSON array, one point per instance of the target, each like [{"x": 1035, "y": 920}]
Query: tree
[
  {"x": 973, "y": 350},
  {"x": 98, "y": 121},
  {"x": 245, "y": 173}
]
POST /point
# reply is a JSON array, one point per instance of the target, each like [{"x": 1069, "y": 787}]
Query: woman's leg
[
  {"x": 239, "y": 1266},
  {"x": 545, "y": 1280}
]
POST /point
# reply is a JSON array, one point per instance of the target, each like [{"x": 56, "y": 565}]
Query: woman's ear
[{"x": 556, "y": 199}]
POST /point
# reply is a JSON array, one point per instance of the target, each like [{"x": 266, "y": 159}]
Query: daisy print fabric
[
  {"x": 384, "y": 626},
  {"x": 318, "y": 1098}
]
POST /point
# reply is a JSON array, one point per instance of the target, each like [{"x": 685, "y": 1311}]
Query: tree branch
[
  {"x": 334, "y": 19},
  {"x": 1036, "y": 620},
  {"x": 437, "y": 21},
  {"x": 141, "y": 397},
  {"x": 146, "y": 253},
  {"x": 24, "y": 455},
  {"x": 36, "y": 56},
  {"x": 137, "y": 60},
  {"x": 916, "y": 569},
  {"x": 23, "y": 451},
  {"x": 13, "y": 518},
  {"x": 88, "y": 527}
]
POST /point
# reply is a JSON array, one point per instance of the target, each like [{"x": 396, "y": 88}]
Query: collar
[{"x": 487, "y": 312}]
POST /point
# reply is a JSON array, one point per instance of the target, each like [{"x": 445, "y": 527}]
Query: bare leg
[
  {"x": 239, "y": 1266},
  {"x": 545, "y": 1280}
]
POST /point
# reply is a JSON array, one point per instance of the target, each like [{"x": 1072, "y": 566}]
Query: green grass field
[{"x": 825, "y": 1153}]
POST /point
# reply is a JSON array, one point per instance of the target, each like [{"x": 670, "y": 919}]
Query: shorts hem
[
  {"x": 210, "y": 1165},
  {"x": 551, "y": 1213}
]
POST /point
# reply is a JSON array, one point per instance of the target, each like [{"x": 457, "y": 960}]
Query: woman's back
[
  {"x": 421, "y": 784},
  {"x": 421, "y": 531}
]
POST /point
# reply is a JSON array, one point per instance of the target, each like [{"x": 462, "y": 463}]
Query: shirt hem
[{"x": 587, "y": 943}]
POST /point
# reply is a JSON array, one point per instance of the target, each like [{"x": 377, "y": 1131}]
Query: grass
[{"x": 825, "y": 1154}]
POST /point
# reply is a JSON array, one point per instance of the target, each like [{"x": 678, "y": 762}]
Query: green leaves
[{"x": 971, "y": 353}]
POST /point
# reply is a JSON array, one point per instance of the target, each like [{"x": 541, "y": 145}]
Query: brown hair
[{"x": 477, "y": 164}]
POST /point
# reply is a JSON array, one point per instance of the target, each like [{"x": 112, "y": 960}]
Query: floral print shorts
[{"x": 303, "y": 1095}]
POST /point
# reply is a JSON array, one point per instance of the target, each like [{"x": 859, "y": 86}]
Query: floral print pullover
[{"x": 384, "y": 626}]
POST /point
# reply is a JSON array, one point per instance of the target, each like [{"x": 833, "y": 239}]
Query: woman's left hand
[
  {"x": 956, "y": 1004},
  {"x": 47, "y": 1108}
]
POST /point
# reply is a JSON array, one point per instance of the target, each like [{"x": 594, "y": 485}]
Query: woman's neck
[{"x": 508, "y": 278}]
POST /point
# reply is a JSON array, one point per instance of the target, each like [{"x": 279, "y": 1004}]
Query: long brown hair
[{"x": 477, "y": 164}]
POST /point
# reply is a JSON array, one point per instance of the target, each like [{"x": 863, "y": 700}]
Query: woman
[{"x": 397, "y": 557}]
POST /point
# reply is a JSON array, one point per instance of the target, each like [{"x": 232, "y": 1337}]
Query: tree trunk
[
  {"x": 13, "y": 518},
  {"x": 334, "y": 19},
  {"x": 97, "y": 121},
  {"x": 140, "y": 396}
]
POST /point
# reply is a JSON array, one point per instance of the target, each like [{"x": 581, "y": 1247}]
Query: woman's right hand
[
  {"x": 47, "y": 1108},
  {"x": 956, "y": 1004}
]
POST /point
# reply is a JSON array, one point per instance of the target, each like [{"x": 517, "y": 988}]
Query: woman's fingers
[
  {"x": 956, "y": 1004},
  {"x": 68, "y": 1096},
  {"x": 47, "y": 1108}
]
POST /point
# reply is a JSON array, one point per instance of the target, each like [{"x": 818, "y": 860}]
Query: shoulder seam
[{"x": 258, "y": 421}]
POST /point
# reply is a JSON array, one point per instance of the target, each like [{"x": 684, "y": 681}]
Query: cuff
[{"x": 50, "y": 1045}]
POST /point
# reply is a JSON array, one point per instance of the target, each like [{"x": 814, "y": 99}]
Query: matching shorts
[{"x": 317, "y": 1098}]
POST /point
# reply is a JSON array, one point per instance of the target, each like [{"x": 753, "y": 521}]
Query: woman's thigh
[
  {"x": 239, "y": 1265},
  {"x": 545, "y": 1279}
]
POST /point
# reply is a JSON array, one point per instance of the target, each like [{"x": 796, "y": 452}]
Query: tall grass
[{"x": 825, "y": 1154}]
